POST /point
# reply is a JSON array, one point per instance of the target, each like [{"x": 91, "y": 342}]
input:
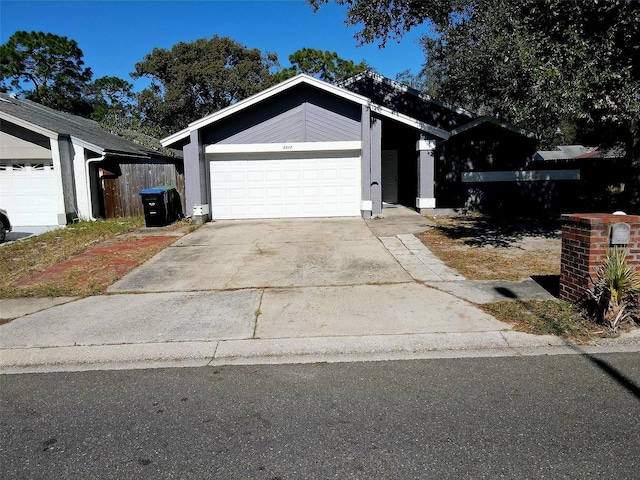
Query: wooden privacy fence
[{"x": 121, "y": 184}]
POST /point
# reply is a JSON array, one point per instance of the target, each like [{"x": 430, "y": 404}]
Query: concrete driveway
[
  {"x": 260, "y": 290},
  {"x": 227, "y": 255}
]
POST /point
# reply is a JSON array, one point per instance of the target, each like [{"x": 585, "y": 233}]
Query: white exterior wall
[
  {"x": 58, "y": 188},
  {"x": 83, "y": 199}
]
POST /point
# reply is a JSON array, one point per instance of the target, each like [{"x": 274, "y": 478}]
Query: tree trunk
[{"x": 634, "y": 171}]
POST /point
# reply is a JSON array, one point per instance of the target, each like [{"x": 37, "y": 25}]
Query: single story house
[
  {"x": 307, "y": 148},
  {"x": 600, "y": 175},
  {"x": 56, "y": 168}
]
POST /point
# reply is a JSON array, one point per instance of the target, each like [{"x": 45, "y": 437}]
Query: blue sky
[{"x": 115, "y": 35}]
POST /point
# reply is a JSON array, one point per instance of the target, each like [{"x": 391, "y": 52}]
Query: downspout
[{"x": 88, "y": 180}]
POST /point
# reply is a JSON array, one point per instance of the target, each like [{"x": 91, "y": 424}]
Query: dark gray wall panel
[
  {"x": 303, "y": 123},
  {"x": 286, "y": 127},
  {"x": 301, "y": 114},
  {"x": 326, "y": 126}
]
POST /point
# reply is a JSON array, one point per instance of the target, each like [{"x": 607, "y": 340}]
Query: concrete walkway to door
[{"x": 266, "y": 291}]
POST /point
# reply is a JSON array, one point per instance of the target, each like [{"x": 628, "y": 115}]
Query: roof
[
  {"x": 494, "y": 121},
  {"x": 389, "y": 100},
  {"x": 401, "y": 87},
  {"x": 53, "y": 123},
  {"x": 290, "y": 83},
  {"x": 410, "y": 101},
  {"x": 577, "y": 152}
]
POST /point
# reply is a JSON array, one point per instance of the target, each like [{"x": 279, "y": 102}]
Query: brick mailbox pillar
[{"x": 586, "y": 237}]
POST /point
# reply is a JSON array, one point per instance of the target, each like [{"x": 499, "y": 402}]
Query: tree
[
  {"x": 542, "y": 64},
  {"x": 422, "y": 81},
  {"x": 110, "y": 98},
  {"x": 114, "y": 107},
  {"x": 45, "y": 68},
  {"x": 383, "y": 20},
  {"x": 325, "y": 65},
  {"x": 195, "y": 79}
]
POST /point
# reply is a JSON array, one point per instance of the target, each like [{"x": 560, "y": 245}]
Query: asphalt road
[{"x": 535, "y": 417}]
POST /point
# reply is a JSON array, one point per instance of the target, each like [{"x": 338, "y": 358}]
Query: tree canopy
[
  {"x": 544, "y": 64},
  {"x": 553, "y": 66},
  {"x": 110, "y": 97},
  {"x": 46, "y": 68},
  {"x": 325, "y": 65},
  {"x": 197, "y": 78}
]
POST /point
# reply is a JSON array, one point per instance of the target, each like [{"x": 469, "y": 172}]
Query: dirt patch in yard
[
  {"x": 90, "y": 272},
  {"x": 485, "y": 248}
]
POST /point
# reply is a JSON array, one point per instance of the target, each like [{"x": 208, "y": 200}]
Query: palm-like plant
[{"x": 615, "y": 288}]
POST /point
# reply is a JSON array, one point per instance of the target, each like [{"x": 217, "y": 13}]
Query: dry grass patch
[
  {"x": 544, "y": 317},
  {"x": 79, "y": 260},
  {"x": 551, "y": 317},
  {"x": 485, "y": 248}
]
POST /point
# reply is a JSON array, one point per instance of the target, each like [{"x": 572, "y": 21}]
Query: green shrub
[{"x": 615, "y": 290}]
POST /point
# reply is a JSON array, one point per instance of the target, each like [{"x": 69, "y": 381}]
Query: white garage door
[
  {"x": 29, "y": 192},
  {"x": 279, "y": 186}
]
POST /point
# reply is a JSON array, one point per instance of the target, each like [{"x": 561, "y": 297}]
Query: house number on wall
[{"x": 288, "y": 147}]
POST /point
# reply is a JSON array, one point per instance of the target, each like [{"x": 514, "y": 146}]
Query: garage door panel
[
  {"x": 30, "y": 194},
  {"x": 266, "y": 186}
]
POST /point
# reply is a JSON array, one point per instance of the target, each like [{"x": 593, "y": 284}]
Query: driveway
[
  {"x": 315, "y": 277},
  {"x": 226, "y": 255},
  {"x": 263, "y": 289}
]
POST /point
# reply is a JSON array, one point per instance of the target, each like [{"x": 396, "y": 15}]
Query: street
[{"x": 573, "y": 416}]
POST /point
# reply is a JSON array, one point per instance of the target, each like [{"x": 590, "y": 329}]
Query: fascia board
[
  {"x": 412, "y": 122},
  {"x": 225, "y": 148},
  {"x": 87, "y": 146},
  {"x": 29, "y": 126},
  {"x": 519, "y": 176},
  {"x": 259, "y": 97}
]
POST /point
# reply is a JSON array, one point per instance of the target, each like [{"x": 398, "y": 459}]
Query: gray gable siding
[
  {"x": 301, "y": 115},
  {"x": 304, "y": 123}
]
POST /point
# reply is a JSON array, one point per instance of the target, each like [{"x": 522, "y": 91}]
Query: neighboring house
[
  {"x": 578, "y": 152},
  {"x": 56, "y": 168},
  {"x": 600, "y": 174},
  {"x": 307, "y": 148}
]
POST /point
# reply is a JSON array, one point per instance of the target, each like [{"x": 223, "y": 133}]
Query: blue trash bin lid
[{"x": 154, "y": 190}]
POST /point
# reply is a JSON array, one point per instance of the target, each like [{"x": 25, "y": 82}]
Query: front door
[{"x": 390, "y": 176}]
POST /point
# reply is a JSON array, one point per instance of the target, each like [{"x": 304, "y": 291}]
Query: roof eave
[
  {"x": 410, "y": 121},
  {"x": 495, "y": 121},
  {"x": 28, "y": 125}
]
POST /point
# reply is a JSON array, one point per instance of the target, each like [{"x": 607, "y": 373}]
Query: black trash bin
[
  {"x": 174, "y": 205},
  {"x": 160, "y": 205}
]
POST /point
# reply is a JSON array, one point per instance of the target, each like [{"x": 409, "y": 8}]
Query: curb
[{"x": 298, "y": 350}]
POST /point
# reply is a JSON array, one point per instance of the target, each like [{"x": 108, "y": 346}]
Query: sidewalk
[{"x": 424, "y": 314}]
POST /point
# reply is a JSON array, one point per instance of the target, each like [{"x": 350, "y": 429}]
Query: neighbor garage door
[
  {"x": 280, "y": 185},
  {"x": 29, "y": 192}
]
